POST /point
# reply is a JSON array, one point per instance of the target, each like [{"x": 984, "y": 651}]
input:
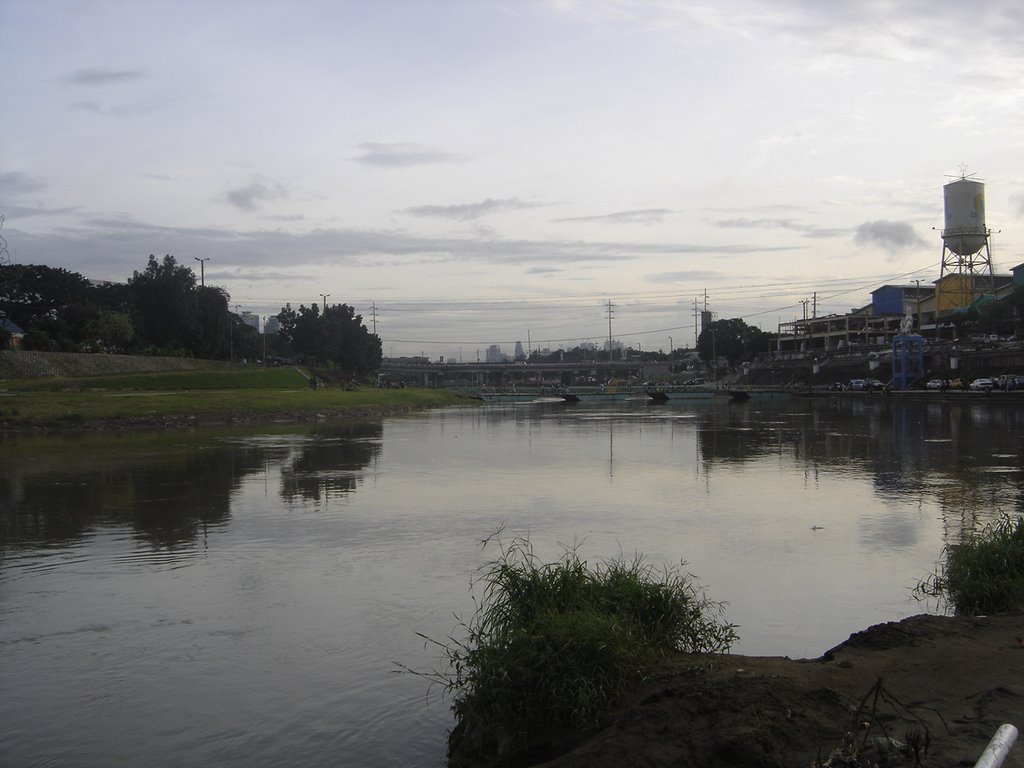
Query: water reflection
[
  {"x": 950, "y": 451},
  {"x": 260, "y": 582},
  {"x": 332, "y": 464},
  {"x": 165, "y": 488}
]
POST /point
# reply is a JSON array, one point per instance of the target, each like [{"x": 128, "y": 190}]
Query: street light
[
  {"x": 202, "y": 269},
  {"x": 325, "y": 295},
  {"x": 231, "y": 333}
]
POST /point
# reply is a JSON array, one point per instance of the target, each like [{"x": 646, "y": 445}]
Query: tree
[
  {"x": 163, "y": 299},
  {"x": 732, "y": 340},
  {"x": 358, "y": 351},
  {"x": 213, "y": 323},
  {"x": 111, "y": 331},
  {"x": 335, "y": 338},
  {"x": 31, "y": 293}
]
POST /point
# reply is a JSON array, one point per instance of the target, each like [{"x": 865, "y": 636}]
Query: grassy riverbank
[{"x": 195, "y": 397}]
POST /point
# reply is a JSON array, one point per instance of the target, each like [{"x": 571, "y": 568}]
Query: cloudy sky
[{"x": 471, "y": 173}]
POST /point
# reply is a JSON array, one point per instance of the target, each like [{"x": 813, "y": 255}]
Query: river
[{"x": 238, "y": 597}]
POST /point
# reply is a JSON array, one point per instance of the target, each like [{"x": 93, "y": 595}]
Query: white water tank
[{"x": 965, "y": 231}]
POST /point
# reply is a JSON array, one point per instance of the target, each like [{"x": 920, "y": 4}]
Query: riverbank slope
[
  {"x": 168, "y": 398},
  {"x": 950, "y": 682}
]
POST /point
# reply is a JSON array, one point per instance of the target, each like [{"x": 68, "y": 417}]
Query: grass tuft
[
  {"x": 984, "y": 574},
  {"x": 555, "y": 645}
]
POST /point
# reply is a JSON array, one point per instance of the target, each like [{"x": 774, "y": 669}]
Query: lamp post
[
  {"x": 671, "y": 352},
  {"x": 231, "y": 333},
  {"x": 202, "y": 269},
  {"x": 324, "y": 296}
]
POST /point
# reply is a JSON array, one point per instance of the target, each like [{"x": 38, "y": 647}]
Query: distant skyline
[{"x": 476, "y": 173}]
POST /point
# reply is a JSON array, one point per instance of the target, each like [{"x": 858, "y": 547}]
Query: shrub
[
  {"x": 984, "y": 574},
  {"x": 554, "y": 645}
]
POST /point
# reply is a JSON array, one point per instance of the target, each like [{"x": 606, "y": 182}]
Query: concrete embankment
[{"x": 29, "y": 365}]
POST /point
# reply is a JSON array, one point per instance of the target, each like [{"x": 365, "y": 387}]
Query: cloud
[
  {"x": 470, "y": 211},
  {"x": 807, "y": 230},
  {"x": 890, "y": 236},
  {"x": 248, "y": 197},
  {"x": 687, "y": 276},
  {"x": 24, "y": 212},
  {"x": 15, "y": 183},
  {"x": 402, "y": 155},
  {"x": 90, "y": 105},
  {"x": 1017, "y": 205},
  {"x": 111, "y": 248},
  {"x": 641, "y": 216},
  {"x": 100, "y": 76}
]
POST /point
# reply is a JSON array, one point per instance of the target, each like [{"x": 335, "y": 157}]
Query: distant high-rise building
[
  {"x": 494, "y": 354},
  {"x": 520, "y": 355},
  {"x": 272, "y": 325},
  {"x": 251, "y": 319}
]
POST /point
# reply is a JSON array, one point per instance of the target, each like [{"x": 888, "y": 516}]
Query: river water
[{"x": 247, "y": 596}]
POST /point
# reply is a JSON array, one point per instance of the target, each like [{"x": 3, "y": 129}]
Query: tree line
[{"x": 162, "y": 310}]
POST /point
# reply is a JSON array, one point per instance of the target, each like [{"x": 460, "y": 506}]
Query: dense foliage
[
  {"x": 732, "y": 341},
  {"x": 556, "y": 644},
  {"x": 162, "y": 310},
  {"x": 984, "y": 574},
  {"x": 335, "y": 338}
]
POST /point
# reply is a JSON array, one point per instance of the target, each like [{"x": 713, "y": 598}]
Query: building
[
  {"x": 876, "y": 324},
  {"x": 13, "y": 330},
  {"x": 251, "y": 319},
  {"x": 272, "y": 324}
]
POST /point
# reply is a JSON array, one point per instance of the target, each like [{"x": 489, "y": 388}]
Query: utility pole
[
  {"x": 373, "y": 316},
  {"x": 807, "y": 326},
  {"x": 696, "y": 325},
  {"x": 202, "y": 270},
  {"x": 325, "y": 295},
  {"x": 918, "y": 293},
  {"x": 609, "y": 331}
]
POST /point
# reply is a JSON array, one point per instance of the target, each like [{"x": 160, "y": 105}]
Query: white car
[
  {"x": 937, "y": 384},
  {"x": 982, "y": 385}
]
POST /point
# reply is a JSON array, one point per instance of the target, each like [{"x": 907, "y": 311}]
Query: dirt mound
[{"x": 929, "y": 688}]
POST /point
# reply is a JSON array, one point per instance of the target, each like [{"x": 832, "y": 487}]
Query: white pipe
[{"x": 998, "y": 748}]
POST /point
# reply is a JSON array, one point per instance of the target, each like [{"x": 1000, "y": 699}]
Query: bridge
[{"x": 514, "y": 374}]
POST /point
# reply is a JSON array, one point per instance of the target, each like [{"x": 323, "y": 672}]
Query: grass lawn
[{"x": 203, "y": 396}]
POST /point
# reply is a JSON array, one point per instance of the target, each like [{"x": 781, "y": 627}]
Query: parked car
[
  {"x": 937, "y": 384},
  {"x": 856, "y": 385},
  {"x": 982, "y": 385}
]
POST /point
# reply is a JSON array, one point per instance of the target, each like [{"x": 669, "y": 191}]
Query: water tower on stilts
[{"x": 966, "y": 271}]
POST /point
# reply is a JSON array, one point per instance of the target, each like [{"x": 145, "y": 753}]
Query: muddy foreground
[{"x": 929, "y": 688}]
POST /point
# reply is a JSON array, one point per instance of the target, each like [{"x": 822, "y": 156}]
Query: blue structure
[{"x": 907, "y": 360}]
